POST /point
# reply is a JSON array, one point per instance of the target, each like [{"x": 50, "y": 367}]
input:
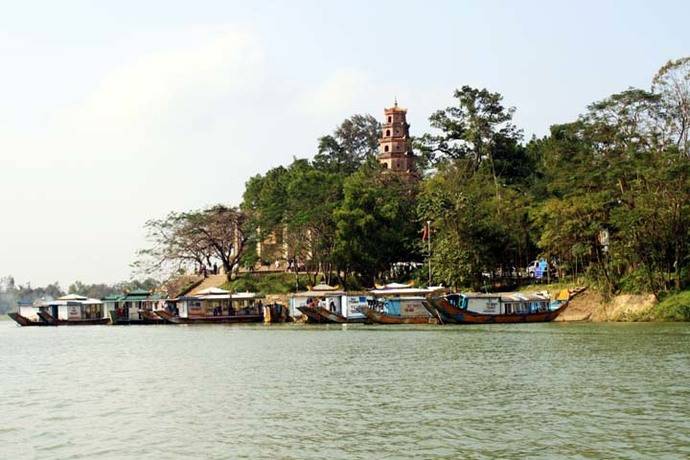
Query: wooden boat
[
  {"x": 401, "y": 304},
  {"x": 379, "y": 317},
  {"x": 215, "y": 306},
  {"x": 52, "y": 321},
  {"x": 134, "y": 307},
  {"x": 24, "y": 321},
  {"x": 225, "y": 319},
  {"x": 328, "y": 304},
  {"x": 73, "y": 310},
  {"x": 318, "y": 314},
  {"x": 501, "y": 307}
]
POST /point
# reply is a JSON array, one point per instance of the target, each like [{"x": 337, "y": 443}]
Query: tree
[
  {"x": 354, "y": 142},
  {"x": 376, "y": 224},
  {"x": 196, "y": 238},
  {"x": 672, "y": 84},
  {"x": 473, "y": 232},
  {"x": 473, "y": 129}
]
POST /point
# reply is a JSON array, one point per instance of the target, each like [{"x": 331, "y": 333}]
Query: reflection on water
[{"x": 543, "y": 390}]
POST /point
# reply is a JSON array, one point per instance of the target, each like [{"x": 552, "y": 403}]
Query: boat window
[{"x": 509, "y": 308}]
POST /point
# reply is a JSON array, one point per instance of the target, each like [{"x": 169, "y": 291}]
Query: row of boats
[{"x": 389, "y": 304}]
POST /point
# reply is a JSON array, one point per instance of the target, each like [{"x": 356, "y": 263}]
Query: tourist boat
[
  {"x": 134, "y": 307},
  {"x": 73, "y": 310},
  {"x": 215, "y": 305},
  {"x": 27, "y": 314},
  {"x": 328, "y": 304},
  {"x": 510, "y": 307},
  {"x": 401, "y": 304}
]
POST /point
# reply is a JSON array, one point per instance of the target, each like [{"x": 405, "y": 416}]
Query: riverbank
[{"x": 593, "y": 306}]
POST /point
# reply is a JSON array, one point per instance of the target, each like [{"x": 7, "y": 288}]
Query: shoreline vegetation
[{"x": 602, "y": 201}]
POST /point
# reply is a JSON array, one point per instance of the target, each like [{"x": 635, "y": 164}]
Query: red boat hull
[{"x": 452, "y": 314}]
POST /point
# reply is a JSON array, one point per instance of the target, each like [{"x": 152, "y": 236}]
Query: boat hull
[
  {"x": 147, "y": 317},
  {"x": 378, "y": 317},
  {"x": 237, "y": 319},
  {"x": 24, "y": 321},
  {"x": 50, "y": 320},
  {"x": 452, "y": 314},
  {"x": 322, "y": 315}
]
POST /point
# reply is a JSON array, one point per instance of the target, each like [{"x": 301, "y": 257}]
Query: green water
[{"x": 513, "y": 391}]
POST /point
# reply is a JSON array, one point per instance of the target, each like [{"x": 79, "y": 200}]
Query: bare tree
[
  {"x": 200, "y": 238},
  {"x": 672, "y": 84}
]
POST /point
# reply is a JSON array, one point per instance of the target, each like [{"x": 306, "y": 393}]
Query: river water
[{"x": 314, "y": 392}]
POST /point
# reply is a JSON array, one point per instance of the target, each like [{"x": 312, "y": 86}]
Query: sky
[{"x": 113, "y": 113}]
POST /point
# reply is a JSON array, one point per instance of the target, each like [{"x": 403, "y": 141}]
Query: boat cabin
[
  {"x": 219, "y": 302},
  {"x": 29, "y": 310},
  {"x": 512, "y": 303},
  {"x": 345, "y": 304},
  {"x": 75, "y": 307},
  {"x": 129, "y": 307},
  {"x": 401, "y": 300}
]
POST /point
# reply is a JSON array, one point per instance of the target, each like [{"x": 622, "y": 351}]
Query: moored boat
[
  {"x": 73, "y": 310},
  {"x": 134, "y": 307},
  {"x": 328, "y": 304},
  {"x": 215, "y": 306},
  {"x": 27, "y": 314},
  {"x": 24, "y": 321},
  {"x": 509, "y": 307},
  {"x": 401, "y": 304}
]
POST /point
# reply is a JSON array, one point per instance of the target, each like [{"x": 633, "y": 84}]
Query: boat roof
[
  {"x": 227, "y": 295},
  {"x": 212, "y": 291},
  {"x": 92, "y": 302},
  {"x": 507, "y": 296},
  {"x": 247, "y": 295},
  {"x": 405, "y": 291},
  {"x": 72, "y": 297},
  {"x": 318, "y": 294},
  {"x": 112, "y": 297}
]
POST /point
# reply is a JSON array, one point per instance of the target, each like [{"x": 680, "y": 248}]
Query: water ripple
[{"x": 298, "y": 392}]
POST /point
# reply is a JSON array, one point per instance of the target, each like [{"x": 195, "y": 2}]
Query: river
[{"x": 577, "y": 390}]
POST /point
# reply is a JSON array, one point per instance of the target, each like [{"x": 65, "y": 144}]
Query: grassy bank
[
  {"x": 269, "y": 283},
  {"x": 674, "y": 306}
]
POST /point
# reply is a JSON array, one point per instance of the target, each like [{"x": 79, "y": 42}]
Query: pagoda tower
[{"x": 395, "y": 151}]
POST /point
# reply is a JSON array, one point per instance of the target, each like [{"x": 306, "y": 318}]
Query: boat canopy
[
  {"x": 212, "y": 291},
  {"x": 225, "y": 295},
  {"x": 69, "y": 297},
  {"x": 73, "y": 300},
  {"x": 314, "y": 293},
  {"x": 407, "y": 291},
  {"x": 247, "y": 295},
  {"x": 509, "y": 296}
]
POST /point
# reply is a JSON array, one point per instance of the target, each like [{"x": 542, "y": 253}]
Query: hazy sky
[{"x": 112, "y": 113}]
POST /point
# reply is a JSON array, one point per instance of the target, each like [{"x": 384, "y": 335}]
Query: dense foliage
[{"x": 604, "y": 197}]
